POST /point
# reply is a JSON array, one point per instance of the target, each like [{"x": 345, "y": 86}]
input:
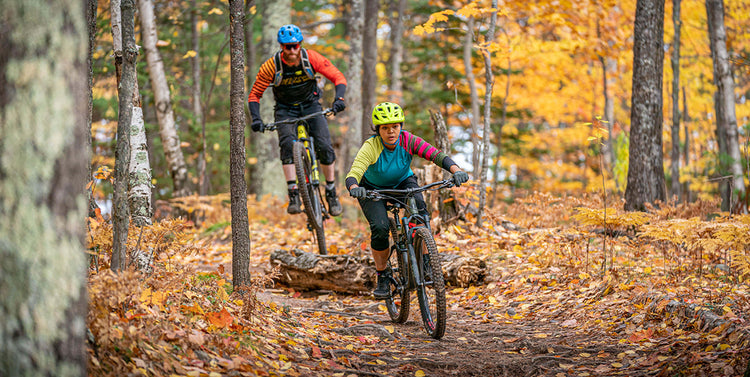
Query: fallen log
[
  {"x": 339, "y": 273},
  {"x": 306, "y": 271}
]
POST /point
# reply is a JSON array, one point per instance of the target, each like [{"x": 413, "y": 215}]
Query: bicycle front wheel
[
  {"x": 311, "y": 198},
  {"x": 398, "y": 302},
  {"x": 430, "y": 283}
]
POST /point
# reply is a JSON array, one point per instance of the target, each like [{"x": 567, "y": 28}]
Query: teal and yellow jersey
[{"x": 384, "y": 168}]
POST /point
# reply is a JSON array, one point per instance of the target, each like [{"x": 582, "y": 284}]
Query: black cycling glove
[
  {"x": 358, "y": 192},
  {"x": 460, "y": 177}
]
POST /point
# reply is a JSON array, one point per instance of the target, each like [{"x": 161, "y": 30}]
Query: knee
[
  {"x": 379, "y": 237},
  {"x": 327, "y": 156}
]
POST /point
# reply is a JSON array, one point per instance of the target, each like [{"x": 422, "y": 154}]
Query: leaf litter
[{"x": 547, "y": 307}]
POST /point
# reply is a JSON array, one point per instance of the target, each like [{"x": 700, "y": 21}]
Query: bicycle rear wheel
[
  {"x": 398, "y": 302},
  {"x": 431, "y": 285},
  {"x": 310, "y": 194}
]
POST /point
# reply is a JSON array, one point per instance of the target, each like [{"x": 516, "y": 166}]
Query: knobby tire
[
  {"x": 310, "y": 194},
  {"x": 431, "y": 295},
  {"x": 398, "y": 302}
]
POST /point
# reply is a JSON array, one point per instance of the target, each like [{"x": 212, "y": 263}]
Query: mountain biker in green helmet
[
  {"x": 384, "y": 162},
  {"x": 291, "y": 72}
]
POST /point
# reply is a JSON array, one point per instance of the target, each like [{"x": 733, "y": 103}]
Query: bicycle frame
[
  {"x": 413, "y": 239},
  {"x": 407, "y": 224},
  {"x": 308, "y": 142}
]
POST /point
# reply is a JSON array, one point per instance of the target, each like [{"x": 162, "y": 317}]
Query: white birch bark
[
  {"x": 139, "y": 168},
  {"x": 490, "y": 82},
  {"x": 474, "y": 97},
  {"x": 726, "y": 120},
  {"x": 165, "y": 115},
  {"x": 267, "y": 172},
  {"x": 139, "y": 196},
  {"x": 354, "y": 82}
]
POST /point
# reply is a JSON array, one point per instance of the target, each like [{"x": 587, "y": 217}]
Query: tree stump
[{"x": 351, "y": 274}]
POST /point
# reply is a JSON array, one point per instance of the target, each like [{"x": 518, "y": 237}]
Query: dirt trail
[{"x": 471, "y": 347}]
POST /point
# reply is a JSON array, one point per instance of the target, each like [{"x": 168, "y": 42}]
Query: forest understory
[{"x": 546, "y": 306}]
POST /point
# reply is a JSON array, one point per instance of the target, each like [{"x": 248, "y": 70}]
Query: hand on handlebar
[
  {"x": 338, "y": 105},
  {"x": 460, "y": 177},
  {"x": 258, "y": 125},
  {"x": 358, "y": 192}
]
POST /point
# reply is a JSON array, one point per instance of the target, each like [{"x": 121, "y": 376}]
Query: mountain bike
[
  {"x": 308, "y": 176},
  {"x": 412, "y": 242}
]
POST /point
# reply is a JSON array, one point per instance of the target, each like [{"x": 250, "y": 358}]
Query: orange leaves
[
  {"x": 221, "y": 318},
  {"x": 641, "y": 335}
]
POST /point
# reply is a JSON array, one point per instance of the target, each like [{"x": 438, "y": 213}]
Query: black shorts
[
  {"x": 377, "y": 215},
  {"x": 317, "y": 126}
]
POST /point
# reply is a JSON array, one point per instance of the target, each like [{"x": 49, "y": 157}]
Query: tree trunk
[
  {"x": 42, "y": 177},
  {"x": 240, "y": 223},
  {"x": 139, "y": 168},
  {"x": 474, "y": 96},
  {"x": 369, "y": 61},
  {"x": 646, "y": 182},
  {"x": 91, "y": 10},
  {"x": 446, "y": 204},
  {"x": 499, "y": 135},
  {"x": 139, "y": 178},
  {"x": 356, "y": 131},
  {"x": 686, "y": 147},
  {"x": 275, "y": 13},
  {"x": 397, "y": 49},
  {"x": 675, "y": 157},
  {"x": 726, "y": 119},
  {"x": 195, "y": 63},
  {"x": 490, "y": 82},
  {"x": 164, "y": 114},
  {"x": 121, "y": 215}
]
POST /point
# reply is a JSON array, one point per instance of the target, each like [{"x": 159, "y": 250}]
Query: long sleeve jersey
[
  {"x": 384, "y": 168},
  {"x": 296, "y": 86}
]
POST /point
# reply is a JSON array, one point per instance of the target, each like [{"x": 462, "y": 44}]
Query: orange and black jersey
[{"x": 296, "y": 86}]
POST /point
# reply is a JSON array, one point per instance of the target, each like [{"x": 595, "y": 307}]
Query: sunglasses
[{"x": 291, "y": 46}]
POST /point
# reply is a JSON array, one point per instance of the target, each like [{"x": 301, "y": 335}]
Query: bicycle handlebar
[
  {"x": 273, "y": 126},
  {"x": 389, "y": 193}
]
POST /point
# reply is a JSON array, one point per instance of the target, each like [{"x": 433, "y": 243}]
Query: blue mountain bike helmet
[{"x": 289, "y": 34}]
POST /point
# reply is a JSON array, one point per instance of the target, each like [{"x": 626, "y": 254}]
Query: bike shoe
[
  {"x": 334, "y": 206},
  {"x": 295, "y": 204},
  {"x": 383, "y": 288}
]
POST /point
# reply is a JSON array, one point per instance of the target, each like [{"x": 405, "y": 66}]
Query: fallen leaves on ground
[{"x": 546, "y": 306}]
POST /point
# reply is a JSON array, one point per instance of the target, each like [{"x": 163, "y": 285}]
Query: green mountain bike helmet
[{"x": 387, "y": 113}]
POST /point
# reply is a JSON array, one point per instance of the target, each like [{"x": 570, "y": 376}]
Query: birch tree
[
  {"x": 355, "y": 132},
  {"x": 726, "y": 118},
  {"x": 124, "y": 16},
  {"x": 675, "y": 57},
  {"x": 42, "y": 177},
  {"x": 195, "y": 65},
  {"x": 274, "y": 14},
  {"x": 138, "y": 178},
  {"x": 646, "y": 182},
  {"x": 164, "y": 113},
  {"x": 240, "y": 224},
  {"x": 473, "y": 95},
  {"x": 489, "y": 83}
]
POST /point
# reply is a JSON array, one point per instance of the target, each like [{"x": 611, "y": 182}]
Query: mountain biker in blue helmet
[{"x": 291, "y": 72}]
